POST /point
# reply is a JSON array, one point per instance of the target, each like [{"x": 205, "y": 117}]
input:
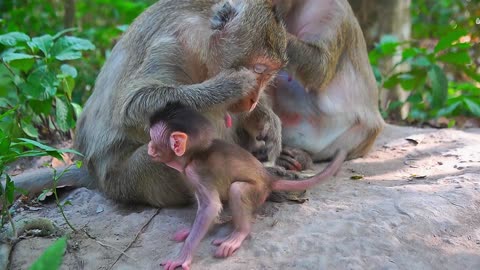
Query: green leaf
[
  {"x": 449, "y": 109},
  {"x": 9, "y": 189},
  {"x": 77, "y": 109},
  {"x": 61, "y": 33},
  {"x": 63, "y": 114},
  {"x": 421, "y": 61},
  {"x": 407, "y": 81},
  {"x": 67, "y": 203},
  {"x": 123, "y": 27},
  {"x": 28, "y": 128},
  {"x": 447, "y": 40},
  {"x": 41, "y": 106},
  {"x": 43, "y": 43},
  {"x": 80, "y": 44},
  {"x": 41, "y": 84},
  {"x": 415, "y": 98},
  {"x": 388, "y": 44},
  {"x": 79, "y": 163},
  {"x": 457, "y": 58},
  {"x": 37, "y": 144},
  {"x": 472, "y": 106},
  {"x": 11, "y": 56},
  {"x": 11, "y": 39},
  {"x": 69, "y": 70},
  {"x": 52, "y": 257},
  {"x": 439, "y": 84},
  {"x": 68, "y": 48},
  {"x": 4, "y": 145}
]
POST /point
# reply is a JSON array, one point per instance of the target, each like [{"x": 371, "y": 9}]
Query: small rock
[{"x": 99, "y": 209}]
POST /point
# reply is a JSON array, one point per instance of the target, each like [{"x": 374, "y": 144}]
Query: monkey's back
[{"x": 224, "y": 163}]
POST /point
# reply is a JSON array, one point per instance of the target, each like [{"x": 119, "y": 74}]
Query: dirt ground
[{"x": 415, "y": 206}]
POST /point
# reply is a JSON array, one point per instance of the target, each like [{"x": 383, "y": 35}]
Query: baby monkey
[{"x": 216, "y": 171}]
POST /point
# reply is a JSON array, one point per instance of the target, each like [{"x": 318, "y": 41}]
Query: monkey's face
[
  {"x": 160, "y": 152},
  {"x": 250, "y": 34}
]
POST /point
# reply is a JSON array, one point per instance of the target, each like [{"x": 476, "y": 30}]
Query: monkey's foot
[
  {"x": 294, "y": 159},
  {"x": 172, "y": 265},
  {"x": 181, "y": 235},
  {"x": 229, "y": 244}
]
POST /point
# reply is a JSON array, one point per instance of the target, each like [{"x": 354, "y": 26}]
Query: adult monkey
[
  {"x": 327, "y": 96},
  {"x": 206, "y": 54}
]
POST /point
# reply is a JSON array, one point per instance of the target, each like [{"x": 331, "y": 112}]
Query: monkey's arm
[
  {"x": 149, "y": 96},
  {"x": 313, "y": 58}
]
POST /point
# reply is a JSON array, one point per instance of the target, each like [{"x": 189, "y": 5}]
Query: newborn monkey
[{"x": 216, "y": 171}]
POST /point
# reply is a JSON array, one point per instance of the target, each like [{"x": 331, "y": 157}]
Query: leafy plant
[
  {"x": 12, "y": 150},
  {"x": 52, "y": 257},
  {"x": 37, "y": 80},
  {"x": 433, "y": 92},
  {"x": 60, "y": 206}
]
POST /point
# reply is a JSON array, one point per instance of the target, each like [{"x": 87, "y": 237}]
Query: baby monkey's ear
[{"x": 178, "y": 142}]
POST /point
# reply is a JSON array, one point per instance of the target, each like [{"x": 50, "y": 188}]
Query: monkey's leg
[
  {"x": 241, "y": 204},
  {"x": 294, "y": 159},
  {"x": 209, "y": 205}
]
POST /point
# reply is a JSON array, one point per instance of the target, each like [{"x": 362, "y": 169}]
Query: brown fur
[
  {"x": 217, "y": 171},
  {"x": 201, "y": 53},
  {"x": 335, "y": 105}
]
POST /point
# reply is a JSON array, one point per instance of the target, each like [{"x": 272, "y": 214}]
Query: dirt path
[{"x": 417, "y": 207}]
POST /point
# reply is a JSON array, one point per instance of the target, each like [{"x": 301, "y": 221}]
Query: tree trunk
[
  {"x": 378, "y": 18},
  {"x": 69, "y": 17}
]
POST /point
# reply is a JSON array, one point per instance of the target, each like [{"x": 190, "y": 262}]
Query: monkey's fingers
[
  {"x": 294, "y": 159},
  {"x": 289, "y": 163},
  {"x": 172, "y": 265},
  {"x": 181, "y": 235}
]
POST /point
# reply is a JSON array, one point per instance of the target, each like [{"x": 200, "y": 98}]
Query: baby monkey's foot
[
  {"x": 172, "y": 265},
  {"x": 181, "y": 235},
  {"x": 229, "y": 244}
]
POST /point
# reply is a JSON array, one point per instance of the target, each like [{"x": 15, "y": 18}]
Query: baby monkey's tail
[{"x": 330, "y": 170}]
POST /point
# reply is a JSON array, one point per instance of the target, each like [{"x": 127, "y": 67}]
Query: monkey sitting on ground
[
  {"x": 327, "y": 96},
  {"x": 205, "y": 54},
  {"x": 215, "y": 171}
]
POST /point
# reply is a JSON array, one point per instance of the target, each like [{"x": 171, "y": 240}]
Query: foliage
[
  {"x": 101, "y": 21},
  {"x": 442, "y": 77},
  {"x": 36, "y": 79},
  {"x": 11, "y": 150},
  {"x": 60, "y": 206},
  {"x": 52, "y": 257}
]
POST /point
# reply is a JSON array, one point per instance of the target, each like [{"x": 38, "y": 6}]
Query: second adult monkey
[
  {"x": 206, "y": 54},
  {"x": 216, "y": 171},
  {"x": 327, "y": 97}
]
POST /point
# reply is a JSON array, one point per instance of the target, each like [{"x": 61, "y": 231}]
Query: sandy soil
[{"x": 417, "y": 207}]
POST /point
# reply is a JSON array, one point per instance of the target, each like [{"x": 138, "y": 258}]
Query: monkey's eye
[{"x": 260, "y": 68}]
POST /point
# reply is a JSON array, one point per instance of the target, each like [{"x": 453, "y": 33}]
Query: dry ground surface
[{"x": 416, "y": 207}]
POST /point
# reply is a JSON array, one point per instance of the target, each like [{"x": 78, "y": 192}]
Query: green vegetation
[
  {"x": 48, "y": 69},
  {"x": 442, "y": 77}
]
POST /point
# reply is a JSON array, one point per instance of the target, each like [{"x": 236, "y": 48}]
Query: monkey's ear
[
  {"x": 222, "y": 14},
  {"x": 178, "y": 142}
]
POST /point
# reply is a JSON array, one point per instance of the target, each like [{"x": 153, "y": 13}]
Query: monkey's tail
[
  {"x": 330, "y": 170},
  {"x": 36, "y": 181}
]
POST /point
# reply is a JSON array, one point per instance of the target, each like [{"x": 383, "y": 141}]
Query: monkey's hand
[
  {"x": 243, "y": 81},
  {"x": 294, "y": 159}
]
